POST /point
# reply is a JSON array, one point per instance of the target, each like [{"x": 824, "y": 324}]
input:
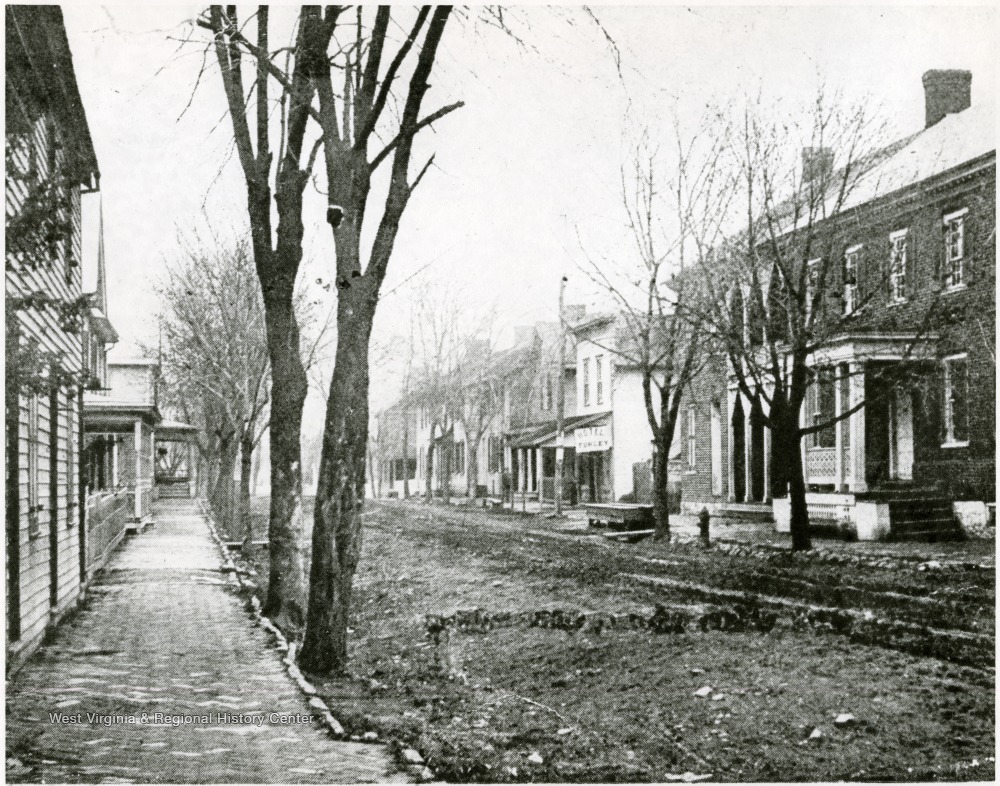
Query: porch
[{"x": 865, "y": 474}]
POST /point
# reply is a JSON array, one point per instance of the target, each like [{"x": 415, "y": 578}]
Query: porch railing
[{"x": 107, "y": 515}]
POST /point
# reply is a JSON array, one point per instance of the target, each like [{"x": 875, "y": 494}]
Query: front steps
[{"x": 923, "y": 518}]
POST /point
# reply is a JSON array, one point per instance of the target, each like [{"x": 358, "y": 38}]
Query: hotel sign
[{"x": 592, "y": 439}]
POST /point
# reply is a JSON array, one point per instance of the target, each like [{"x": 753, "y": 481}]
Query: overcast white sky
[{"x": 531, "y": 160}]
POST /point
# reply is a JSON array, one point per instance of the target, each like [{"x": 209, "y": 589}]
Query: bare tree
[
  {"x": 478, "y": 387},
  {"x": 277, "y": 257},
  {"x": 778, "y": 291},
  {"x": 435, "y": 326},
  {"x": 214, "y": 346},
  {"x": 358, "y": 84},
  {"x": 675, "y": 211},
  {"x": 348, "y": 124}
]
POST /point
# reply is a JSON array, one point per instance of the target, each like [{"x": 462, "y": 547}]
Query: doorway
[
  {"x": 739, "y": 452},
  {"x": 901, "y": 435}
]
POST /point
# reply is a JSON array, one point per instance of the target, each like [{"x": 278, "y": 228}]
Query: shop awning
[{"x": 544, "y": 434}]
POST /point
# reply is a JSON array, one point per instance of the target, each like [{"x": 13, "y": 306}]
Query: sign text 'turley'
[{"x": 592, "y": 439}]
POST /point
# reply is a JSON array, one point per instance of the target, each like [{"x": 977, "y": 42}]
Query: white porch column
[
  {"x": 521, "y": 470},
  {"x": 114, "y": 461},
  {"x": 748, "y": 451},
  {"x": 192, "y": 471},
  {"x": 138, "y": 469},
  {"x": 838, "y": 458},
  {"x": 857, "y": 421},
  {"x": 767, "y": 463},
  {"x": 804, "y": 446},
  {"x": 538, "y": 472},
  {"x": 730, "y": 455}
]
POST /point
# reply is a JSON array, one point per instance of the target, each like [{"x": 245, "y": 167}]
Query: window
[
  {"x": 547, "y": 392},
  {"x": 458, "y": 458},
  {"x": 33, "y": 505},
  {"x": 822, "y": 397},
  {"x": 586, "y": 382},
  {"x": 71, "y": 502},
  {"x": 397, "y": 466},
  {"x": 599, "y": 375},
  {"x": 692, "y": 442},
  {"x": 715, "y": 447},
  {"x": 852, "y": 261},
  {"x": 493, "y": 454},
  {"x": 897, "y": 266},
  {"x": 812, "y": 283},
  {"x": 956, "y": 398},
  {"x": 954, "y": 249}
]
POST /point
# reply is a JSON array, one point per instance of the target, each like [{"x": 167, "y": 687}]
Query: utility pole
[{"x": 560, "y": 399}]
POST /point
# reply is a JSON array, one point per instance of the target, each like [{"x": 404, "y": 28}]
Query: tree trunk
[
  {"x": 797, "y": 498},
  {"x": 429, "y": 471},
  {"x": 289, "y": 385},
  {"x": 446, "y": 459},
  {"x": 406, "y": 454},
  {"x": 246, "y": 468},
  {"x": 661, "y": 488},
  {"x": 222, "y": 493},
  {"x": 286, "y": 521},
  {"x": 255, "y": 474},
  {"x": 472, "y": 467},
  {"x": 337, "y": 524}
]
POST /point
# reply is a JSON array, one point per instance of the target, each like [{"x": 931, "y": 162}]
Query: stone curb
[
  {"x": 881, "y": 560},
  {"x": 317, "y": 704}
]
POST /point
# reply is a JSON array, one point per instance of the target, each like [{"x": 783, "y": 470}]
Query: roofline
[
  {"x": 25, "y": 21},
  {"x": 592, "y": 321},
  {"x": 135, "y": 362}
]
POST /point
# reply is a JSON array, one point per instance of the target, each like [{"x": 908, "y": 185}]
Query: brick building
[{"x": 914, "y": 283}]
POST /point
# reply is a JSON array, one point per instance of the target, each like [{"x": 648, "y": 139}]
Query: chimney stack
[
  {"x": 574, "y": 313},
  {"x": 946, "y": 91},
  {"x": 816, "y": 162},
  {"x": 523, "y": 334}
]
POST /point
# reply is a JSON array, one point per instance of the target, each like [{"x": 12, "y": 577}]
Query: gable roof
[{"x": 957, "y": 139}]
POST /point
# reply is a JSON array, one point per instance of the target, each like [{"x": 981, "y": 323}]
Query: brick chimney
[
  {"x": 523, "y": 334},
  {"x": 816, "y": 162},
  {"x": 574, "y": 313},
  {"x": 946, "y": 91}
]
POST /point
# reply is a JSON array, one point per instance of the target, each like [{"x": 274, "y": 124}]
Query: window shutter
[
  {"x": 941, "y": 258},
  {"x": 884, "y": 270},
  {"x": 911, "y": 263},
  {"x": 935, "y": 405},
  {"x": 968, "y": 248}
]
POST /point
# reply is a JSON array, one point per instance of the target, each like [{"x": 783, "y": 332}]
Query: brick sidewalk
[{"x": 164, "y": 632}]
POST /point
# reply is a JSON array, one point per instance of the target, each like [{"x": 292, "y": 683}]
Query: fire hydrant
[{"x": 703, "y": 527}]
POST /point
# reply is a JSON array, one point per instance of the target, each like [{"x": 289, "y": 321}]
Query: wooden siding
[{"x": 48, "y": 537}]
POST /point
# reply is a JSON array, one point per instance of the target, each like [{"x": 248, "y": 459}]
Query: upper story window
[
  {"x": 586, "y": 382},
  {"x": 956, "y": 397},
  {"x": 954, "y": 249},
  {"x": 812, "y": 283},
  {"x": 692, "y": 439},
  {"x": 547, "y": 392},
  {"x": 599, "y": 374},
  {"x": 897, "y": 266},
  {"x": 852, "y": 262}
]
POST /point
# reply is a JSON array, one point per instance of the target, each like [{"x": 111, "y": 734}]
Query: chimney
[
  {"x": 946, "y": 91},
  {"x": 523, "y": 334},
  {"x": 816, "y": 162},
  {"x": 574, "y": 313}
]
